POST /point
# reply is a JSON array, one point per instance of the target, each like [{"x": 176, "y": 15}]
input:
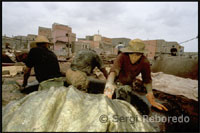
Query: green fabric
[
  {"x": 65, "y": 109},
  {"x": 123, "y": 91}
]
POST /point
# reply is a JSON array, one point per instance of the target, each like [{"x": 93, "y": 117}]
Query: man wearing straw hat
[
  {"x": 43, "y": 60},
  {"x": 129, "y": 64}
]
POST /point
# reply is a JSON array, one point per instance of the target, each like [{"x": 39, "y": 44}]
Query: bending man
[
  {"x": 43, "y": 60},
  {"x": 129, "y": 64},
  {"x": 82, "y": 66}
]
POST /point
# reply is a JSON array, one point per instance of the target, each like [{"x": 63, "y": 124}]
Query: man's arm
[
  {"x": 147, "y": 80},
  {"x": 27, "y": 72},
  {"x": 114, "y": 72},
  {"x": 110, "y": 87},
  {"x": 150, "y": 97}
]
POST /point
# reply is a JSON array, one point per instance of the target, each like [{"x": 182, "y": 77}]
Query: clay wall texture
[
  {"x": 59, "y": 32},
  {"x": 116, "y": 41},
  {"x": 43, "y": 31},
  {"x": 107, "y": 40},
  {"x": 178, "y": 65},
  {"x": 150, "y": 46},
  {"x": 97, "y": 38}
]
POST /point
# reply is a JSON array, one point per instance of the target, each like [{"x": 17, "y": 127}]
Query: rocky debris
[
  {"x": 21, "y": 56},
  {"x": 11, "y": 88},
  {"x": 6, "y": 59},
  {"x": 10, "y": 91},
  {"x": 10, "y": 71},
  {"x": 12, "y": 56},
  {"x": 6, "y": 72},
  {"x": 108, "y": 59}
]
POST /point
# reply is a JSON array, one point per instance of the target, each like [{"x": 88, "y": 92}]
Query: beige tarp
[
  {"x": 175, "y": 85},
  {"x": 68, "y": 109}
]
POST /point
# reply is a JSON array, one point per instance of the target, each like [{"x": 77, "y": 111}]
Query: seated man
[
  {"x": 129, "y": 64},
  {"x": 43, "y": 60},
  {"x": 119, "y": 46},
  {"x": 173, "y": 51},
  {"x": 82, "y": 66}
]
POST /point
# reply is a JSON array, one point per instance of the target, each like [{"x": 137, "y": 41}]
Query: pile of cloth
[{"x": 64, "y": 109}]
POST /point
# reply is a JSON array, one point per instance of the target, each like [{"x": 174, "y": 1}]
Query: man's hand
[
  {"x": 152, "y": 101},
  {"x": 109, "y": 90},
  {"x": 23, "y": 86}
]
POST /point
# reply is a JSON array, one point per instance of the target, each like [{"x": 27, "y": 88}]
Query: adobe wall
[
  {"x": 59, "y": 32},
  {"x": 116, "y": 41},
  {"x": 178, "y": 65},
  {"x": 150, "y": 46},
  {"x": 44, "y": 32}
]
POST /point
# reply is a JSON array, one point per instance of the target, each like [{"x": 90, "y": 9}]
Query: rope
[{"x": 189, "y": 40}]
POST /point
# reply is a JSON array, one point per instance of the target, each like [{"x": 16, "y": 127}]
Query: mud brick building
[
  {"x": 96, "y": 42},
  {"x": 63, "y": 39},
  {"x": 124, "y": 41},
  {"x": 158, "y": 47}
]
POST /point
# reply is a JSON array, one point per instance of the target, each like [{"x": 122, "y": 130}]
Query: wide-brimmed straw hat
[
  {"x": 134, "y": 46},
  {"x": 39, "y": 40}
]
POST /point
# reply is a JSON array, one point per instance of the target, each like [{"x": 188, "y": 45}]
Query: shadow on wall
[{"x": 177, "y": 65}]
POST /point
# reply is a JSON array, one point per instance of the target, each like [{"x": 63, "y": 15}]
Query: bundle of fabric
[{"x": 67, "y": 109}]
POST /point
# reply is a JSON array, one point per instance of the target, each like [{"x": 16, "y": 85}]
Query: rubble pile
[
  {"x": 108, "y": 59},
  {"x": 10, "y": 91},
  {"x": 12, "y": 56}
]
